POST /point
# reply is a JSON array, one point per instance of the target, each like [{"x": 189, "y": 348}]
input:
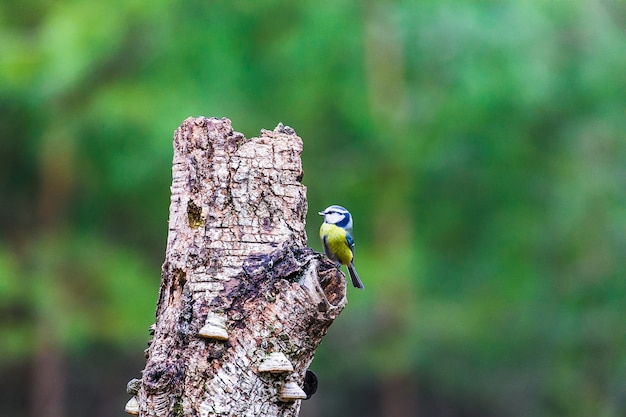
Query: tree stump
[{"x": 243, "y": 302}]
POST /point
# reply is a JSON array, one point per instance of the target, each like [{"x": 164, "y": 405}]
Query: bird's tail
[{"x": 355, "y": 277}]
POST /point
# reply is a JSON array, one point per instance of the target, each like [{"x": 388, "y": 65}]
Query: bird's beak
[{"x": 321, "y": 213}]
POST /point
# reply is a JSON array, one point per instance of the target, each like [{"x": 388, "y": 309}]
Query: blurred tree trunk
[
  {"x": 48, "y": 383},
  {"x": 48, "y": 389},
  {"x": 243, "y": 302},
  {"x": 398, "y": 393}
]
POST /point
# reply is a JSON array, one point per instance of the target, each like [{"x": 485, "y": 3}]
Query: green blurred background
[{"x": 480, "y": 147}]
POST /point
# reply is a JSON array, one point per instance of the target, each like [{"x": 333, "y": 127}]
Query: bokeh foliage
[{"x": 480, "y": 147}]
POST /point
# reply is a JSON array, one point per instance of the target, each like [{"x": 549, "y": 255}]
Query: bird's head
[{"x": 338, "y": 216}]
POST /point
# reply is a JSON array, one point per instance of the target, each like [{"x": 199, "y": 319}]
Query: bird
[{"x": 336, "y": 236}]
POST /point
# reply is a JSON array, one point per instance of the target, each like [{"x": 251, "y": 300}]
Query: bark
[{"x": 243, "y": 302}]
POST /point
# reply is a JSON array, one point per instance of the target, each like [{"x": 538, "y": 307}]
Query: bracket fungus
[
  {"x": 290, "y": 391},
  {"x": 133, "y": 387},
  {"x": 276, "y": 363},
  {"x": 214, "y": 327},
  {"x": 310, "y": 383},
  {"x": 132, "y": 406}
]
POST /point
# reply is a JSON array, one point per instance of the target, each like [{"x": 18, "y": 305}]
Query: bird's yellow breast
[{"x": 336, "y": 243}]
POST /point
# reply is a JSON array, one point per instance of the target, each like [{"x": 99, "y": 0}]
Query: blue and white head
[{"x": 338, "y": 216}]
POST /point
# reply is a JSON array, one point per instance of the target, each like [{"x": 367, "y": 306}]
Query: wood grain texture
[{"x": 238, "y": 282}]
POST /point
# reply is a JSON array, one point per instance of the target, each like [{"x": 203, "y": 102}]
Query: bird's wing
[
  {"x": 350, "y": 241},
  {"x": 326, "y": 248}
]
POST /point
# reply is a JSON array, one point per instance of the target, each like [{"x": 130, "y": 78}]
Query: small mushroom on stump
[
  {"x": 214, "y": 327},
  {"x": 290, "y": 391},
  {"x": 276, "y": 363},
  {"x": 310, "y": 383},
  {"x": 132, "y": 388},
  {"x": 132, "y": 406}
]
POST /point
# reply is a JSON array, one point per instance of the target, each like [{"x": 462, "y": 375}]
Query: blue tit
[{"x": 336, "y": 235}]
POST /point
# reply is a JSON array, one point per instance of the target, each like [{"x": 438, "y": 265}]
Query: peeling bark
[{"x": 239, "y": 285}]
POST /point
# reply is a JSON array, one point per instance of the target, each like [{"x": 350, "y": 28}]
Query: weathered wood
[{"x": 238, "y": 282}]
